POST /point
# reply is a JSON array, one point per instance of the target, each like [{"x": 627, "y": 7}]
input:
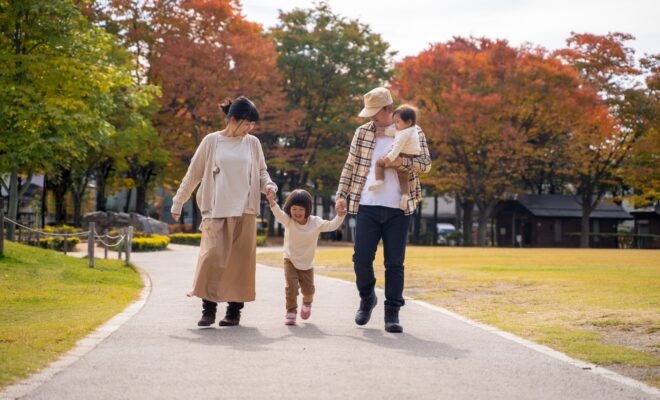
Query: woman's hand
[{"x": 176, "y": 216}]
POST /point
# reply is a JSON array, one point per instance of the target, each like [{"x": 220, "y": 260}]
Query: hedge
[
  {"x": 194, "y": 239},
  {"x": 57, "y": 243},
  {"x": 186, "y": 238},
  {"x": 153, "y": 243}
]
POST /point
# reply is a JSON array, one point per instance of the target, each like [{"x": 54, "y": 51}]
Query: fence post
[
  {"x": 129, "y": 244},
  {"x": 121, "y": 232},
  {"x": 105, "y": 246},
  {"x": 90, "y": 245},
  {"x": 2, "y": 226}
]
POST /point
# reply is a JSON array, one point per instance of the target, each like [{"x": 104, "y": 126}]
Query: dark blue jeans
[{"x": 390, "y": 224}]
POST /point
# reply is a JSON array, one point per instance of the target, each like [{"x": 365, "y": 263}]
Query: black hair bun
[
  {"x": 242, "y": 108},
  {"x": 226, "y": 105}
]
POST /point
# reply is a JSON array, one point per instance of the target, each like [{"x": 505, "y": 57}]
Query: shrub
[
  {"x": 193, "y": 239},
  {"x": 152, "y": 243},
  {"x": 261, "y": 240},
  {"x": 57, "y": 243},
  {"x": 61, "y": 229}
]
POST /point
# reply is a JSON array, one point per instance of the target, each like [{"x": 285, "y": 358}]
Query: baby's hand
[
  {"x": 270, "y": 195},
  {"x": 342, "y": 212}
]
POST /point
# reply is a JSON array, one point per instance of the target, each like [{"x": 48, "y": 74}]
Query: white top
[
  {"x": 300, "y": 240},
  {"x": 233, "y": 161},
  {"x": 389, "y": 194},
  {"x": 405, "y": 141}
]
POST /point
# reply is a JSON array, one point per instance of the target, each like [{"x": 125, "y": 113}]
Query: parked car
[{"x": 444, "y": 230}]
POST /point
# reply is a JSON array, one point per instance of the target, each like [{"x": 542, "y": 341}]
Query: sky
[{"x": 411, "y": 25}]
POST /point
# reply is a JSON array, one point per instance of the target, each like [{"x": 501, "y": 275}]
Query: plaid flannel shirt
[{"x": 358, "y": 163}]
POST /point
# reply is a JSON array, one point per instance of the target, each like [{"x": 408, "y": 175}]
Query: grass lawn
[
  {"x": 601, "y": 306},
  {"x": 49, "y": 301}
]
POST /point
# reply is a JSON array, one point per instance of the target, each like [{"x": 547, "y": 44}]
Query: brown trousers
[
  {"x": 404, "y": 176},
  {"x": 295, "y": 279}
]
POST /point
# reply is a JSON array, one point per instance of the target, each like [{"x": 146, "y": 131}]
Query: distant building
[
  {"x": 554, "y": 221},
  {"x": 647, "y": 222}
]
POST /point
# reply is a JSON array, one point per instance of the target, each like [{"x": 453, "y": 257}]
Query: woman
[{"x": 230, "y": 167}]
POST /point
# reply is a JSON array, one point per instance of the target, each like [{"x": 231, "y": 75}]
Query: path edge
[
  {"x": 583, "y": 365},
  {"x": 82, "y": 347}
]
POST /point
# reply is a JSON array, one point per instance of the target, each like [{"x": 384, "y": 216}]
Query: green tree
[
  {"x": 327, "y": 62},
  {"x": 56, "y": 78}
]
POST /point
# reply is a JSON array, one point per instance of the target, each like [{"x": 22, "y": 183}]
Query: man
[{"x": 378, "y": 213}]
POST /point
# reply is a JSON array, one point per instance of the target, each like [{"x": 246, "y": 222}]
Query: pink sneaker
[
  {"x": 306, "y": 311},
  {"x": 290, "y": 319}
]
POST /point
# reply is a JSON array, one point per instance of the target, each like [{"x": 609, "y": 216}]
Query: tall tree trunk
[
  {"x": 468, "y": 217},
  {"x": 141, "y": 199},
  {"x": 142, "y": 179},
  {"x": 77, "y": 208},
  {"x": 435, "y": 219},
  {"x": 584, "y": 223},
  {"x": 101, "y": 175},
  {"x": 60, "y": 185},
  {"x": 127, "y": 204},
  {"x": 44, "y": 203},
  {"x": 78, "y": 188},
  {"x": 484, "y": 216},
  {"x": 16, "y": 191},
  {"x": 13, "y": 202}
]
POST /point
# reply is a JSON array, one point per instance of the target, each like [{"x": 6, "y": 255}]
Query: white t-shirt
[
  {"x": 300, "y": 240},
  {"x": 389, "y": 194},
  {"x": 233, "y": 161}
]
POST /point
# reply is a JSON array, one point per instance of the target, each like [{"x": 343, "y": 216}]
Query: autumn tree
[
  {"x": 599, "y": 149},
  {"x": 459, "y": 87},
  {"x": 202, "y": 53}
]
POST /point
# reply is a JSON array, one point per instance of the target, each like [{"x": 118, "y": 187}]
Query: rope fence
[{"x": 122, "y": 241}]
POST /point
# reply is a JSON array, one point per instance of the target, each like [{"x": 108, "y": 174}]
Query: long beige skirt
[{"x": 227, "y": 260}]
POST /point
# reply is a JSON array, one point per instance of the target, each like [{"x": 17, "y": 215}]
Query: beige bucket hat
[{"x": 375, "y": 100}]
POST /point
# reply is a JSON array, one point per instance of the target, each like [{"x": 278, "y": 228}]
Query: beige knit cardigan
[{"x": 200, "y": 171}]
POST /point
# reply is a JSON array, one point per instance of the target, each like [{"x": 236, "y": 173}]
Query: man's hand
[
  {"x": 396, "y": 163},
  {"x": 340, "y": 206},
  {"x": 270, "y": 195}
]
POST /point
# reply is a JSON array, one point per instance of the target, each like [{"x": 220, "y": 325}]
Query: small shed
[
  {"x": 554, "y": 221},
  {"x": 647, "y": 227}
]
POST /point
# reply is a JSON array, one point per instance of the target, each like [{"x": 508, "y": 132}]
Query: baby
[{"x": 406, "y": 144}]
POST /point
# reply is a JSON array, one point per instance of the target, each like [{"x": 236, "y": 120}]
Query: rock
[{"x": 109, "y": 220}]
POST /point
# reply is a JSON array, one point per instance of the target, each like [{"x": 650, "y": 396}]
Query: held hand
[
  {"x": 176, "y": 216},
  {"x": 342, "y": 212},
  {"x": 396, "y": 163},
  {"x": 270, "y": 195},
  {"x": 340, "y": 206},
  {"x": 386, "y": 162}
]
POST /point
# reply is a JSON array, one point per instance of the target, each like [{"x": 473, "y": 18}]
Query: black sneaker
[
  {"x": 207, "y": 320},
  {"x": 392, "y": 324},
  {"x": 366, "y": 307}
]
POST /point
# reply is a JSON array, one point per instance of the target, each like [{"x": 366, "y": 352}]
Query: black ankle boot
[
  {"x": 392, "y": 320},
  {"x": 208, "y": 313},
  {"x": 233, "y": 314},
  {"x": 366, "y": 307}
]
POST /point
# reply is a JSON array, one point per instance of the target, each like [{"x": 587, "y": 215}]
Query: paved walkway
[{"x": 160, "y": 352}]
